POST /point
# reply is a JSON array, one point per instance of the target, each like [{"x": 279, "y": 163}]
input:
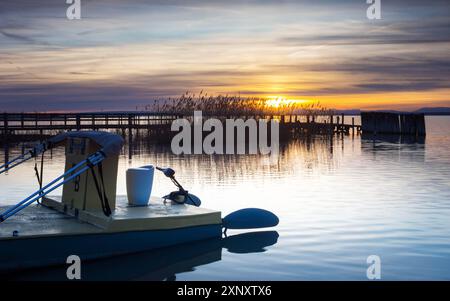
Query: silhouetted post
[
  {"x": 337, "y": 123},
  {"x": 6, "y": 153},
  {"x": 93, "y": 121},
  {"x": 65, "y": 120},
  {"x": 353, "y": 125},
  {"x": 420, "y": 125},
  {"x": 22, "y": 123},
  {"x": 130, "y": 136},
  {"x": 342, "y": 118},
  {"x": 78, "y": 122},
  {"x": 5, "y": 129},
  {"x": 36, "y": 117}
]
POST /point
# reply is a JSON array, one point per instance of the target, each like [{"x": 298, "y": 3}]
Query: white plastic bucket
[{"x": 139, "y": 185}]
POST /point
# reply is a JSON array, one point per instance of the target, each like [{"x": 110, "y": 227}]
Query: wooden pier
[
  {"x": 20, "y": 124},
  {"x": 13, "y": 122},
  {"x": 22, "y": 127}
]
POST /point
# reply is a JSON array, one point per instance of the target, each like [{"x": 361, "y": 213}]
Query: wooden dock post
[
  {"x": 93, "y": 121},
  {"x": 5, "y": 136},
  {"x": 367, "y": 122},
  {"x": 78, "y": 122},
  {"x": 393, "y": 123},
  {"x": 5, "y": 128},
  {"x": 353, "y": 125},
  {"x": 331, "y": 128},
  {"x": 407, "y": 124},
  {"x": 130, "y": 136},
  {"x": 420, "y": 125}
]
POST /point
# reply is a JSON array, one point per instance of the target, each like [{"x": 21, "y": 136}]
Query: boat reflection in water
[{"x": 160, "y": 264}]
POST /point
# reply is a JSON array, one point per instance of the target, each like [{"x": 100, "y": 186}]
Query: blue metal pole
[
  {"x": 14, "y": 165},
  {"x": 94, "y": 159},
  {"x": 13, "y": 160},
  {"x": 32, "y": 153},
  {"x": 48, "y": 185},
  {"x": 29, "y": 202}
]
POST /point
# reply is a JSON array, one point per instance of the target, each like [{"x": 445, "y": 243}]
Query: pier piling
[{"x": 393, "y": 123}]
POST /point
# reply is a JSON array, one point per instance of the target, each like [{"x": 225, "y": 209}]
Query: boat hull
[{"x": 33, "y": 252}]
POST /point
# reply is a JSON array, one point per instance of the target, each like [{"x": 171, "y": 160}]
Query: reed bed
[{"x": 225, "y": 105}]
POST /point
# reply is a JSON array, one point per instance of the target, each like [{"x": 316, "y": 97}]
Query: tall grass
[{"x": 225, "y": 105}]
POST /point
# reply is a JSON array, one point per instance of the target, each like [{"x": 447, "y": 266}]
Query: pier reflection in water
[{"x": 339, "y": 200}]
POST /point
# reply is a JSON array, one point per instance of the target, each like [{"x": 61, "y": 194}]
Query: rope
[
  {"x": 40, "y": 175},
  {"x": 101, "y": 190}
]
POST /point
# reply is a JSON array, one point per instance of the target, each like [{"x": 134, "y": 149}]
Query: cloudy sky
[{"x": 127, "y": 53}]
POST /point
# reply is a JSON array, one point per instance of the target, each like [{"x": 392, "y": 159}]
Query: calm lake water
[{"x": 339, "y": 200}]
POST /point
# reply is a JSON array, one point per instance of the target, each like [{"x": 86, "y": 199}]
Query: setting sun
[{"x": 279, "y": 101}]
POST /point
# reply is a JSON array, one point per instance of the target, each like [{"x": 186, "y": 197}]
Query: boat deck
[
  {"x": 50, "y": 220},
  {"x": 37, "y": 220}
]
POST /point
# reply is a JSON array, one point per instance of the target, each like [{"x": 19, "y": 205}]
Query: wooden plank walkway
[
  {"x": 19, "y": 127},
  {"x": 15, "y": 126}
]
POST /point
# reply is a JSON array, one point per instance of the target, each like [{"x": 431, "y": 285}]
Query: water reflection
[
  {"x": 161, "y": 264},
  {"x": 317, "y": 151},
  {"x": 338, "y": 200},
  {"x": 393, "y": 138},
  {"x": 399, "y": 147}
]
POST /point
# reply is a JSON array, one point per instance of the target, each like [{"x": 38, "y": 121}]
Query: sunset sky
[{"x": 124, "y": 54}]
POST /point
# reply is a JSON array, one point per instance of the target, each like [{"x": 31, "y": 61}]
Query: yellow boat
[{"x": 90, "y": 221}]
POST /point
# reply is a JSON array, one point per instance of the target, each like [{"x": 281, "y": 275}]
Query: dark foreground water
[{"x": 338, "y": 200}]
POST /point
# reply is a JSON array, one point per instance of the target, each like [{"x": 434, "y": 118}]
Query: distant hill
[
  {"x": 426, "y": 111},
  {"x": 348, "y": 112},
  {"x": 434, "y": 111}
]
